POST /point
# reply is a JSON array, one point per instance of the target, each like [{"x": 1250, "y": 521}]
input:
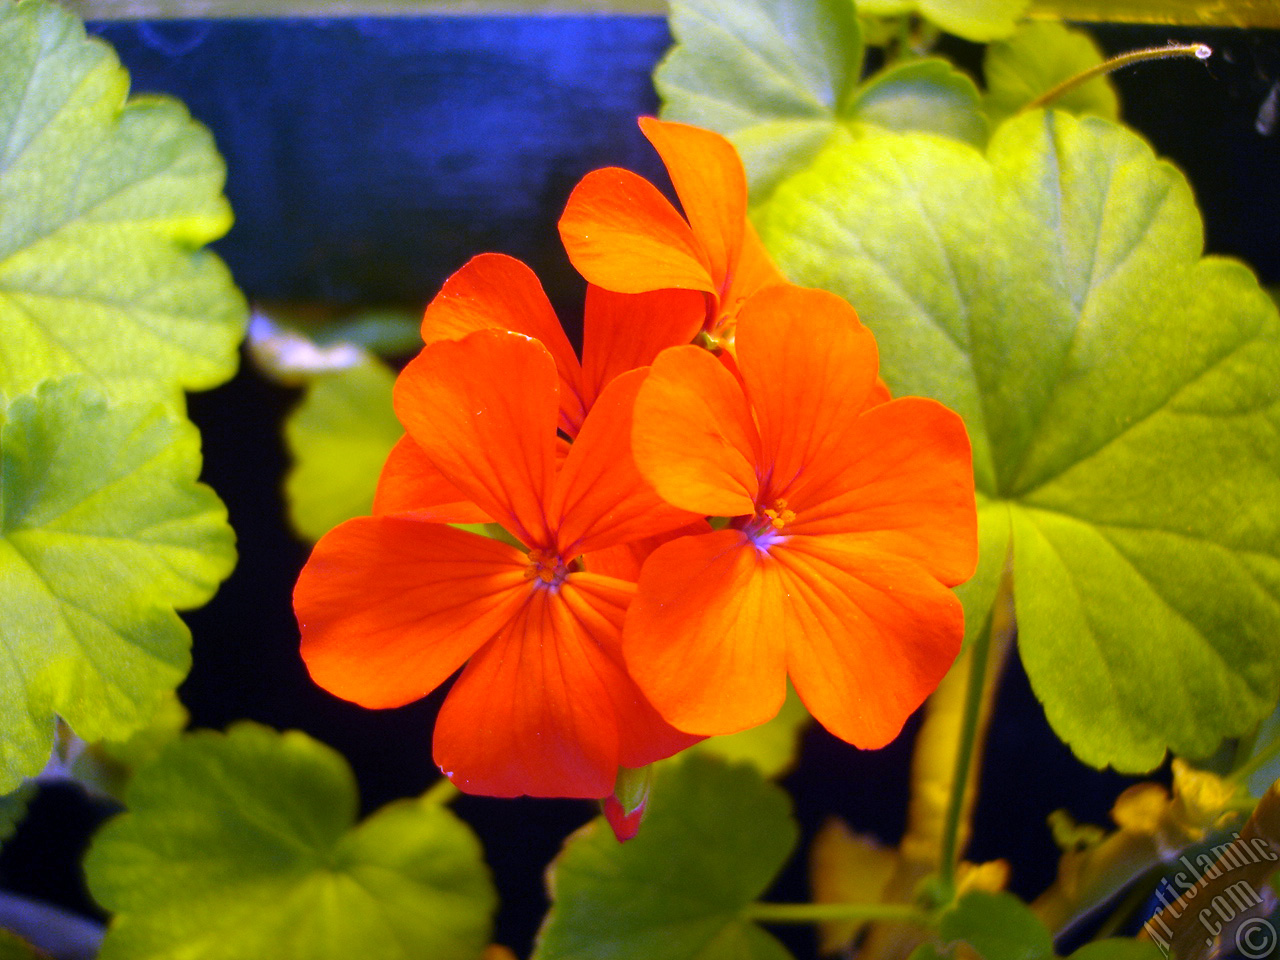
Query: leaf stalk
[{"x": 1201, "y": 51}]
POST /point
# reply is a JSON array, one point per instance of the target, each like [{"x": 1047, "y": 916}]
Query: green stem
[
  {"x": 441, "y": 792},
  {"x": 1200, "y": 51},
  {"x": 824, "y": 912},
  {"x": 1256, "y": 763},
  {"x": 1001, "y": 632}
]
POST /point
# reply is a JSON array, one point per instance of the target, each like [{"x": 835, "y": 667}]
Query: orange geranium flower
[
  {"x": 851, "y": 518},
  {"x": 390, "y": 606},
  {"x": 495, "y": 292},
  {"x": 622, "y": 234}
]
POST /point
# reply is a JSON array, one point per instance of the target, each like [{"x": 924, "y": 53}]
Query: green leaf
[
  {"x": 339, "y": 437},
  {"x": 13, "y": 947},
  {"x": 711, "y": 843},
  {"x": 999, "y": 926},
  {"x": 104, "y": 531},
  {"x": 103, "y": 209},
  {"x": 978, "y": 593},
  {"x": 105, "y": 767},
  {"x": 245, "y": 845},
  {"x": 780, "y": 78},
  {"x": 13, "y": 808},
  {"x": 388, "y": 333},
  {"x": 1037, "y": 58},
  {"x": 1121, "y": 397},
  {"x": 771, "y": 747},
  {"x": 928, "y": 95},
  {"x": 980, "y": 20},
  {"x": 1118, "y": 948}
]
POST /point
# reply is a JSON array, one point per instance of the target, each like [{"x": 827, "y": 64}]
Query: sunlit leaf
[
  {"x": 1121, "y": 397},
  {"x": 780, "y": 78},
  {"x": 980, "y": 20},
  {"x": 245, "y": 845},
  {"x": 339, "y": 437},
  {"x": 104, "y": 531},
  {"x": 1035, "y": 60},
  {"x": 772, "y": 747},
  {"x": 104, "y": 206},
  {"x": 711, "y": 843}
]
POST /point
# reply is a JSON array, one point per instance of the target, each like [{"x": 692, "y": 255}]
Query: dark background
[{"x": 370, "y": 158}]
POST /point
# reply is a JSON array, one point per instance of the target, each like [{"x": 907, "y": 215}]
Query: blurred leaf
[
  {"x": 13, "y": 947},
  {"x": 1266, "y": 743},
  {"x": 1191, "y": 13},
  {"x": 339, "y": 437},
  {"x": 291, "y": 343},
  {"x": 104, "y": 531},
  {"x": 292, "y": 358},
  {"x": 980, "y": 20},
  {"x": 780, "y": 78},
  {"x": 13, "y": 808},
  {"x": 103, "y": 209},
  {"x": 1120, "y": 393},
  {"x": 245, "y": 845},
  {"x": 106, "y": 766},
  {"x": 714, "y": 838},
  {"x": 771, "y": 747},
  {"x": 999, "y": 926},
  {"x": 847, "y": 867},
  {"x": 1035, "y": 60},
  {"x": 388, "y": 333}
]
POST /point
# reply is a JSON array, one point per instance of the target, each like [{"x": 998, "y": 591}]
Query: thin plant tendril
[{"x": 1201, "y": 51}]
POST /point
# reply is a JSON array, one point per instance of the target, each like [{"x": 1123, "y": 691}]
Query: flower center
[
  {"x": 765, "y": 528},
  {"x": 546, "y": 569}
]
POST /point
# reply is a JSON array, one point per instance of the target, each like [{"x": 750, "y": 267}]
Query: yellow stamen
[
  {"x": 544, "y": 565},
  {"x": 779, "y": 515}
]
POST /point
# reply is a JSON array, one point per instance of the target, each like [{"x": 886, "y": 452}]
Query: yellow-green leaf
[
  {"x": 104, "y": 207},
  {"x": 104, "y": 532}
]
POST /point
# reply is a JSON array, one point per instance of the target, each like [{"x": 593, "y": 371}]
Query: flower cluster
[{"x": 616, "y": 625}]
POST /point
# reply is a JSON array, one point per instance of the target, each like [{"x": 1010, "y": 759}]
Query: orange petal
[
  {"x": 712, "y": 186},
  {"x": 901, "y": 478},
  {"x": 411, "y": 484},
  {"x": 541, "y": 710},
  {"x": 483, "y": 409},
  {"x": 693, "y": 436},
  {"x": 389, "y": 607},
  {"x": 623, "y": 562},
  {"x": 879, "y": 393},
  {"x": 624, "y": 331},
  {"x": 624, "y": 235},
  {"x": 809, "y": 366},
  {"x": 755, "y": 269},
  {"x": 872, "y": 635},
  {"x": 704, "y": 637},
  {"x": 599, "y": 604},
  {"x": 496, "y": 292},
  {"x": 600, "y": 498}
]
